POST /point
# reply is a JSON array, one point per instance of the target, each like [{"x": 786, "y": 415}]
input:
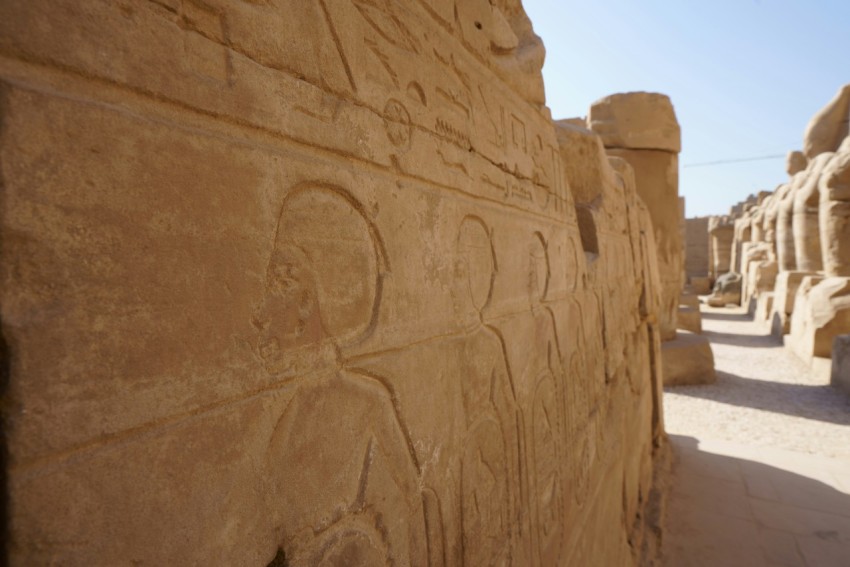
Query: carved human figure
[
  {"x": 342, "y": 479},
  {"x": 489, "y": 477},
  {"x": 546, "y": 379}
]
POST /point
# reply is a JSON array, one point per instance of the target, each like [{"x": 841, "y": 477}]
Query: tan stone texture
[
  {"x": 657, "y": 174},
  {"x": 722, "y": 233},
  {"x": 834, "y": 213},
  {"x": 697, "y": 247},
  {"x": 700, "y": 285},
  {"x": 822, "y": 315},
  {"x": 688, "y": 360},
  {"x": 305, "y": 283},
  {"x": 689, "y": 319},
  {"x": 795, "y": 162},
  {"x": 805, "y": 223},
  {"x": 637, "y": 121},
  {"x": 829, "y": 126},
  {"x": 785, "y": 293},
  {"x": 742, "y": 235}
]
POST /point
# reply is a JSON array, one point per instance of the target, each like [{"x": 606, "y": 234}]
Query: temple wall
[{"x": 304, "y": 281}]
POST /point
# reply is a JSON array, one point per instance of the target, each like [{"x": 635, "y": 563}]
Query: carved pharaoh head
[
  {"x": 323, "y": 280},
  {"x": 476, "y": 264}
]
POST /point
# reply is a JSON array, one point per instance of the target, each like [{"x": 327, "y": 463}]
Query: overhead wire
[{"x": 739, "y": 160}]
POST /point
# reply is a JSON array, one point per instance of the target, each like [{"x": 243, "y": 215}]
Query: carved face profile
[
  {"x": 476, "y": 263},
  {"x": 323, "y": 279}
]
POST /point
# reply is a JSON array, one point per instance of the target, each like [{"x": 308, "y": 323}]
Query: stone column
[{"x": 642, "y": 129}]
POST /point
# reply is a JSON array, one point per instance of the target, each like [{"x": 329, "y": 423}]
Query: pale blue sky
[{"x": 744, "y": 76}]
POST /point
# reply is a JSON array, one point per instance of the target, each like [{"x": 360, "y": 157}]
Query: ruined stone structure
[
  {"x": 642, "y": 129},
  {"x": 698, "y": 262},
  {"x": 302, "y": 283},
  {"x": 792, "y": 247},
  {"x": 721, "y": 231}
]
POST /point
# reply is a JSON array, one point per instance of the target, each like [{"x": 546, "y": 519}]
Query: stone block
[
  {"x": 697, "y": 247},
  {"x": 657, "y": 178},
  {"x": 638, "y": 121},
  {"x": 764, "y": 307},
  {"x": 303, "y": 283},
  {"x": 700, "y": 285},
  {"x": 784, "y": 295},
  {"x": 689, "y": 319},
  {"x": 822, "y": 312},
  {"x": 687, "y": 360}
]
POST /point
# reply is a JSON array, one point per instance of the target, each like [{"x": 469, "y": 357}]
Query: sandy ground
[
  {"x": 761, "y": 468},
  {"x": 763, "y": 396}
]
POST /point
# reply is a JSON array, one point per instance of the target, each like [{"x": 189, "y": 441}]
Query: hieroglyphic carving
[
  {"x": 375, "y": 424},
  {"x": 323, "y": 288},
  {"x": 397, "y": 122},
  {"x": 489, "y": 511}
]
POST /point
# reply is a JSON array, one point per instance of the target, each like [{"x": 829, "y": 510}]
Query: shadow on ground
[
  {"x": 729, "y": 511},
  {"x": 726, "y": 316},
  {"x": 817, "y": 402},
  {"x": 748, "y": 341}
]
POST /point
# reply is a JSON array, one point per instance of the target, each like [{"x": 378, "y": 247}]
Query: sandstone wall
[
  {"x": 697, "y": 247},
  {"x": 304, "y": 282}
]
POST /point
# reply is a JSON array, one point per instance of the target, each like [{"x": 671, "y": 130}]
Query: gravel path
[{"x": 763, "y": 396}]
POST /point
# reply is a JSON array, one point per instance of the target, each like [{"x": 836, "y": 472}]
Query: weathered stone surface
[
  {"x": 305, "y": 283},
  {"x": 807, "y": 243},
  {"x": 689, "y": 300},
  {"x": 841, "y": 363},
  {"x": 795, "y": 162},
  {"x": 743, "y": 234},
  {"x": 722, "y": 232},
  {"x": 700, "y": 285},
  {"x": 821, "y": 313},
  {"x": 727, "y": 290},
  {"x": 696, "y": 247},
  {"x": 689, "y": 319},
  {"x": 829, "y": 126},
  {"x": 657, "y": 178},
  {"x": 785, "y": 293},
  {"x": 688, "y": 360},
  {"x": 834, "y": 213},
  {"x": 764, "y": 306},
  {"x": 637, "y": 121}
]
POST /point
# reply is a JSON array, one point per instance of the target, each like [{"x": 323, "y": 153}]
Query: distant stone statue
[
  {"x": 834, "y": 213},
  {"x": 807, "y": 242},
  {"x": 829, "y": 126}
]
